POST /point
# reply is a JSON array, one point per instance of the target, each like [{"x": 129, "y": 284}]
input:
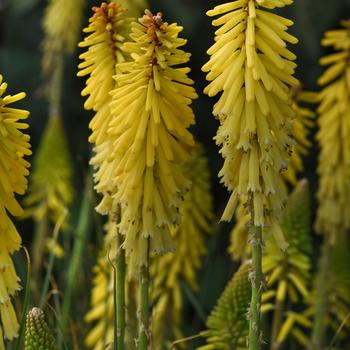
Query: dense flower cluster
[
  {"x": 141, "y": 121},
  {"x": 303, "y": 122},
  {"x": 151, "y": 113},
  {"x": 106, "y": 33},
  {"x": 333, "y": 216},
  {"x": 253, "y": 69},
  {"x": 14, "y": 145}
]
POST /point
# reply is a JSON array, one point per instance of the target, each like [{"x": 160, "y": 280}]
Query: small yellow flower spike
[
  {"x": 107, "y": 31},
  {"x": 170, "y": 269},
  {"x": 253, "y": 69},
  {"x": 333, "y": 216},
  {"x": 50, "y": 189},
  {"x": 14, "y": 145},
  {"x": 151, "y": 113},
  {"x": 135, "y": 7},
  {"x": 61, "y": 25}
]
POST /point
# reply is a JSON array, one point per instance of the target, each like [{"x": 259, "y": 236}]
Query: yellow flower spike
[
  {"x": 227, "y": 71},
  {"x": 303, "y": 122},
  {"x": 14, "y": 146},
  {"x": 333, "y": 219},
  {"x": 62, "y": 20},
  {"x": 135, "y": 7},
  {"x": 107, "y": 30},
  {"x": 333, "y": 137},
  {"x": 253, "y": 70},
  {"x": 151, "y": 114},
  {"x": 50, "y": 189},
  {"x": 170, "y": 269}
]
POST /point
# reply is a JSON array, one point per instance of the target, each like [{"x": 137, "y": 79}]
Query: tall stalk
[
  {"x": 120, "y": 295},
  {"x": 83, "y": 229},
  {"x": 256, "y": 278},
  {"x": 255, "y": 120},
  {"x": 38, "y": 249},
  {"x": 143, "y": 312},
  {"x": 51, "y": 262},
  {"x": 55, "y": 92}
]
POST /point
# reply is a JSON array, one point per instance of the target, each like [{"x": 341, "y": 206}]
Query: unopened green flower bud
[{"x": 38, "y": 336}]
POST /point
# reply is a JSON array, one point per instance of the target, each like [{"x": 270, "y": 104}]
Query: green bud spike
[
  {"x": 228, "y": 323},
  {"x": 296, "y": 220},
  {"x": 38, "y": 336}
]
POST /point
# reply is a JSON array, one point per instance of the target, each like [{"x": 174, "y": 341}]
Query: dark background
[{"x": 20, "y": 63}]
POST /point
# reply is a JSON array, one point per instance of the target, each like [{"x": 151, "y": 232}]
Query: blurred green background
[{"x": 20, "y": 63}]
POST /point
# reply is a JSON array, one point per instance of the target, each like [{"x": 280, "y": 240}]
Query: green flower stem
[
  {"x": 256, "y": 278},
  {"x": 143, "y": 313},
  {"x": 318, "y": 331},
  {"x": 83, "y": 230},
  {"x": 120, "y": 294},
  {"x": 55, "y": 92}
]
